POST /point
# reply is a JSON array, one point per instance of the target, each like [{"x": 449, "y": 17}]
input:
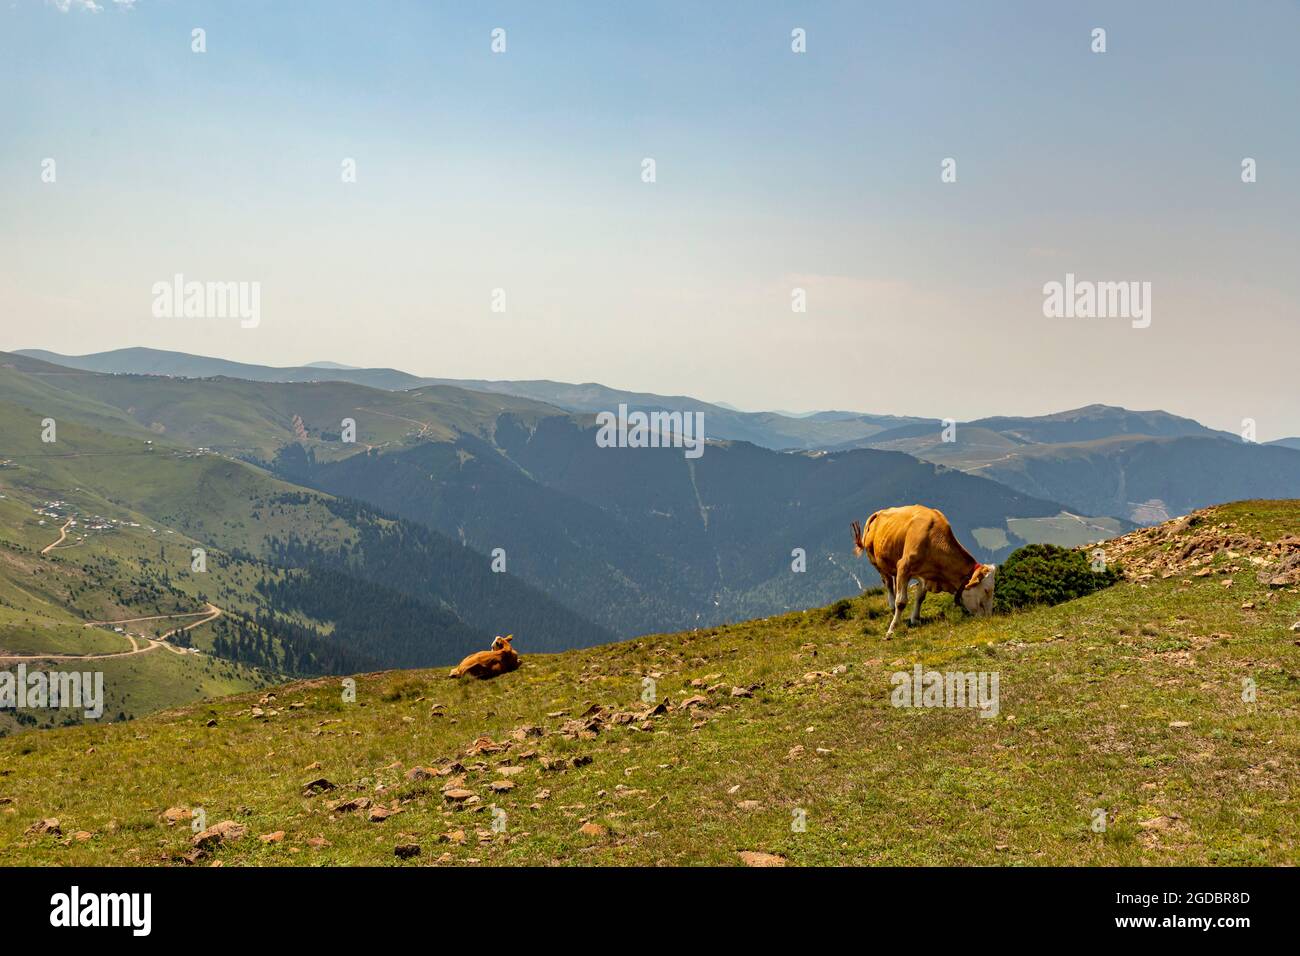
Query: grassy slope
[
  {"x": 252, "y": 418},
  {"x": 46, "y": 599},
  {"x": 162, "y": 502},
  {"x": 1089, "y": 693}
]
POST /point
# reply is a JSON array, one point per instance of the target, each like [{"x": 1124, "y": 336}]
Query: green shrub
[
  {"x": 1047, "y": 574},
  {"x": 841, "y": 610}
]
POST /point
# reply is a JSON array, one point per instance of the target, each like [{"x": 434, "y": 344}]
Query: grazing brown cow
[
  {"x": 916, "y": 542},
  {"x": 485, "y": 664}
]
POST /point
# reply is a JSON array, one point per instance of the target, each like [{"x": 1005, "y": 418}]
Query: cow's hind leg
[
  {"x": 900, "y": 599},
  {"x": 915, "y": 619},
  {"x": 889, "y": 592}
]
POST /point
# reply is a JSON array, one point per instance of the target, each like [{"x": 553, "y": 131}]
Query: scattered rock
[
  {"x": 227, "y": 831},
  {"x": 501, "y": 786},
  {"x": 485, "y": 745},
  {"x": 48, "y": 825},
  {"x": 276, "y": 837},
  {"x": 593, "y": 830},
  {"x": 404, "y": 851},
  {"x": 582, "y": 728},
  {"x": 349, "y": 805},
  {"x": 174, "y": 815},
  {"x": 319, "y": 785}
]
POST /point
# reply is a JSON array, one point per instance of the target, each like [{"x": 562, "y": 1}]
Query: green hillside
[
  {"x": 98, "y": 534},
  {"x": 635, "y": 540},
  {"x": 253, "y": 419},
  {"x": 1129, "y": 706}
]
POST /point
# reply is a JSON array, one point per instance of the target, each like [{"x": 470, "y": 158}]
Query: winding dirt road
[
  {"x": 211, "y": 614},
  {"x": 63, "y": 534}
]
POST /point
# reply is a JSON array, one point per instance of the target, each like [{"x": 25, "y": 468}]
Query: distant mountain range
[
  {"x": 463, "y": 509},
  {"x": 1100, "y": 459},
  {"x": 1095, "y": 460},
  {"x": 633, "y": 539},
  {"x": 768, "y": 429}
]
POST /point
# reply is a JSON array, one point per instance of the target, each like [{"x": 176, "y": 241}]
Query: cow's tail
[{"x": 860, "y": 536}]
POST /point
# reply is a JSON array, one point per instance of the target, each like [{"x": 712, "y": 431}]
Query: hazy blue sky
[{"x": 775, "y": 170}]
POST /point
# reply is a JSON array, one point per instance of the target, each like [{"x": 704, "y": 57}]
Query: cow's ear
[{"x": 977, "y": 576}]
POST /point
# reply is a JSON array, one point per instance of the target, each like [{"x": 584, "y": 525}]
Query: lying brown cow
[
  {"x": 485, "y": 664},
  {"x": 916, "y": 542}
]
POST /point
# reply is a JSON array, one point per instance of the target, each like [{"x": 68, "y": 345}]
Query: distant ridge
[
  {"x": 766, "y": 429},
  {"x": 142, "y": 361},
  {"x": 1102, "y": 459}
]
